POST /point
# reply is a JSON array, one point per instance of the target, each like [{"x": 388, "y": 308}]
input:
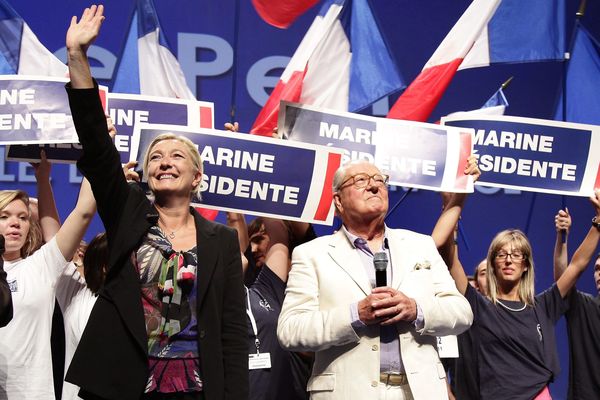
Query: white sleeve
[
  {"x": 447, "y": 312},
  {"x": 303, "y": 325},
  {"x": 48, "y": 261},
  {"x": 69, "y": 283}
]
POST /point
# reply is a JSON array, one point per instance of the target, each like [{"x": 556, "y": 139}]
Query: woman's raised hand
[
  {"x": 595, "y": 200},
  {"x": 562, "y": 220},
  {"x": 82, "y": 33},
  {"x": 472, "y": 167}
]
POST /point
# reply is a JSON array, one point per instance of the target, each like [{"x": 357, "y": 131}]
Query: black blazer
[{"x": 111, "y": 361}]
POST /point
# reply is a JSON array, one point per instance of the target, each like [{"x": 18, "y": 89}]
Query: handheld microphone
[{"x": 380, "y": 262}]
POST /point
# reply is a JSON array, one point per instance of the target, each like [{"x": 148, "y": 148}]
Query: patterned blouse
[{"x": 168, "y": 281}]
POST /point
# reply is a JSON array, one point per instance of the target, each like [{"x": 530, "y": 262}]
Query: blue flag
[
  {"x": 521, "y": 31},
  {"x": 160, "y": 73},
  {"x": 20, "y": 50},
  {"x": 583, "y": 82},
  {"x": 498, "y": 99}
]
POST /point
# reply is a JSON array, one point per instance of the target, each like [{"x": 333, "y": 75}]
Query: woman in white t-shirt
[
  {"x": 76, "y": 292},
  {"x": 32, "y": 273}
]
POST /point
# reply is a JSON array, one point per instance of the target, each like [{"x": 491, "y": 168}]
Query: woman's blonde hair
[
  {"x": 190, "y": 147},
  {"x": 519, "y": 242},
  {"x": 33, "y": 240}
]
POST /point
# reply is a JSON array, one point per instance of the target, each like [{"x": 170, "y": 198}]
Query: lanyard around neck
[{"x": 252, "y": 321}]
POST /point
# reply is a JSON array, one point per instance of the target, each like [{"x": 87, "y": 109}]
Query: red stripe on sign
[
  {"x": 333, "y": 163},
  {"x": 102, "y": 94},
  {"x": 207, "y": 213},
  {"x": 206, "y": 118},
  {"x": 464, "y": 153},
  {"x": 597, "y": 184}
]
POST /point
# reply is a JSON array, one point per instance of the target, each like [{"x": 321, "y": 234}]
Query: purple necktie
[{"x": 362, "y": 245}]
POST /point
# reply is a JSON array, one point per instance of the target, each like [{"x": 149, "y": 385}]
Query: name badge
[
  {"x": 447, "y": 346},
  {"x": 259, "y": 361}
]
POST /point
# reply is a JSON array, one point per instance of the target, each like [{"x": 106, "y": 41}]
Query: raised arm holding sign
[{"x": 512, "y": 311}]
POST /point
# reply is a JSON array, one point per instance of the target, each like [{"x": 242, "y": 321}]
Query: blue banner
[
  {"x": 125, "y": 111},
  {"x": 535, "y": 155},
  {"x": 34, "y": 111},
  {"x": 414, "y": 154},
  {"x": 252, "y": 174}
]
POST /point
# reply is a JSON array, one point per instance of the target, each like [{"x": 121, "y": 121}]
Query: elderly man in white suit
[{"x": 370, "y": 342}]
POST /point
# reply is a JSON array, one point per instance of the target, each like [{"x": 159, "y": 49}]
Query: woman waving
[{"x": 170, "y": 320}]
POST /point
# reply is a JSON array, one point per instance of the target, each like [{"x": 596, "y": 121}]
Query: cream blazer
[{"x": 327, "y": 276}]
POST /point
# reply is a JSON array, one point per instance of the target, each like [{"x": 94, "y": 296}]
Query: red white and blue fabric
[
  {"x": 281, "y": 13},
  {"x": 342, "y": 63},
  {"x": 422, "y": 95},
  {"x": 20, "y": 50},
  {"x": 521, "y": 31},
  {"x": 583, "y": 81},
  {"x": 147, "y": 65},
  {"x": 488, "y": 32}
]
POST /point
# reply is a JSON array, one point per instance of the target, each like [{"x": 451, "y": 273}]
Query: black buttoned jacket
[{"x": 111, "y": 361}]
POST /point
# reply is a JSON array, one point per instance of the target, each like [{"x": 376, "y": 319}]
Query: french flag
[
  {"x": 147, "y": 65},
  {"x": 521, "y": 31},
  {"x": 342, "y": 63},
  {"x": 21, "y": 53},
  {"x": 281, "y": 13},
  {"x": 420, "y": 98},
  {"x": 487, "y": 33}
]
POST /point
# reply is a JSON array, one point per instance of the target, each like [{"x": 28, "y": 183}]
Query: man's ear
[{"x": 337, "y": 203}]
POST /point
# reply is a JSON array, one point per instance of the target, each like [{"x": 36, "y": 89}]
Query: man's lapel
[
  {"x": 396, "y": 243},
  {"x": 344, "y": 255}
]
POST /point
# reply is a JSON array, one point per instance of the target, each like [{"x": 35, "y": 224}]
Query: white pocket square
[{"x": 422, "y": 265}]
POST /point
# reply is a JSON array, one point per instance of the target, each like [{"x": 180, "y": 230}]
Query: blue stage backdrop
[{"x": 232, "y": 58}]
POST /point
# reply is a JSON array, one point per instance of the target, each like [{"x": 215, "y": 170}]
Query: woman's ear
[
  {"x": 197, "y": 180},
  {"x": 525, "y": 264}
]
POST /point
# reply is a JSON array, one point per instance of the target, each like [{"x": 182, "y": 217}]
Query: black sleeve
[
  {"x": 553, "y": 303},
  {"x": 309, "y": 235},
  {"x": 270, "y": 286},
  {"x": 234, "y": 338},
  {"x": 576, "y": 298},
  {"x": 475, "y": 299},
  {"x": 6, "y": 307},
  {"x": 100, "y": 162}
]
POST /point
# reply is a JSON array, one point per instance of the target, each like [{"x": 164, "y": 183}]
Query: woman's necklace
[
  {"x": 510, "y": 308},
  {"x": 173, "y": 232}
]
